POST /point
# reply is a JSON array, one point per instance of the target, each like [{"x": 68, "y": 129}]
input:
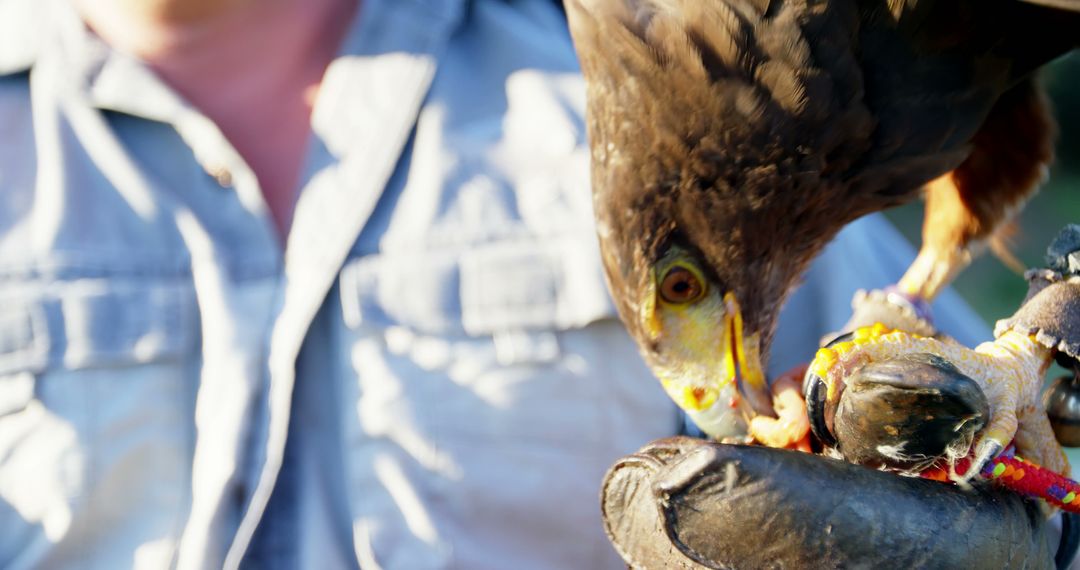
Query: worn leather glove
[{"x": 689, "y": 503}]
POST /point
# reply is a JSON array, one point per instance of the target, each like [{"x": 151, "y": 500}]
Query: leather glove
[{"x": 689, "y": 503}]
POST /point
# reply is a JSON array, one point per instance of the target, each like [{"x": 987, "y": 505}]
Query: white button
[{"x": 221, "y": 175}]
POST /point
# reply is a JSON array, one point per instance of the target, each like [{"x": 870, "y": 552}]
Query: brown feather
[
  {"x": 1011, "y": 152},
  {"x": 750, "y": 131},
  {"x": 1001, "y": 244}
]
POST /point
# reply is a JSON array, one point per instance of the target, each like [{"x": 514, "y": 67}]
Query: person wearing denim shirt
[{"x": 417, "y": 367}]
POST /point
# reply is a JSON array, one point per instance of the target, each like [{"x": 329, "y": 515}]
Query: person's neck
[
  {"x": 156, "y": 30},
  {"x": 150, "y": 29},
  {"x": 252, "y": 66}
]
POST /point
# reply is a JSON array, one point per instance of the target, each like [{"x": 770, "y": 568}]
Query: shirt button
[{"x": 221, "y": 175}]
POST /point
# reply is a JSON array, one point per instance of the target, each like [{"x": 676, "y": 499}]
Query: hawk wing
[{"x": 888, "y": 93}]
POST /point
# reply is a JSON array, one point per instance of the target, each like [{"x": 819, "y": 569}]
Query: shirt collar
[
  {"x": 36, "y": 31},
  {"x": 21, "y": 27}
]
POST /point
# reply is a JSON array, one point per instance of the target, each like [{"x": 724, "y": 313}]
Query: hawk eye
[{"x": 680, "y": 286}]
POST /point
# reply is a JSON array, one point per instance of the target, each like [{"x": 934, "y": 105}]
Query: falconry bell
[
  {"x": 1062, "y": 403},
  {"x": 1051, "y": 288}
]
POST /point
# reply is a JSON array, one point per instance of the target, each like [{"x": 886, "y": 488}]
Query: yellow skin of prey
[{"x": 1009, "y": 370}]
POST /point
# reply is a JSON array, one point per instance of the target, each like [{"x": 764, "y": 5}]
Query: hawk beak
[{"x": 742, "y": 361}]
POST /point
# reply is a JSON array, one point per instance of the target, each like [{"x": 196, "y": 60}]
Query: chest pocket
[
  {"x": 93, "y": 324},
  {"x": 553, "y": 285},
  {"x": 473, "y": 369},
  {"x": 97, "y": 381},
  {"x": 474, "y": 342},
  {"x": 510, "y": 285}
]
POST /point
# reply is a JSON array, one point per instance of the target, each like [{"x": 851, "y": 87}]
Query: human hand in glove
[{"x": 689, "y": 503}]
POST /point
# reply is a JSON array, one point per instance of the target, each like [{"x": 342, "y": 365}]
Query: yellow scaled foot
[{"x": 1009, "y": 370}]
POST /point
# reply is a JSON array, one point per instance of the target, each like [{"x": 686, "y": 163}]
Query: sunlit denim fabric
[{"x": 430, "y": 376}]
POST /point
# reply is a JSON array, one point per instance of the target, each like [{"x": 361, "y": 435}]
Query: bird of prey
[{"x": 732, "y": 139}]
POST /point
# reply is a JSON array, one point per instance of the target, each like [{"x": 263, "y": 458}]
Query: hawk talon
[
  {"x": 987, "y": 450},
  {"x": 1007, "y": 370},
  {"x": 815, "y": 409}
]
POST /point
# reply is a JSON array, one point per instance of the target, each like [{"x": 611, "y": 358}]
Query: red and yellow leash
[{"x": 1021, "y": 476}]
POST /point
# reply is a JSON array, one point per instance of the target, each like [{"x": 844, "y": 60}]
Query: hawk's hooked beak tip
[{"x": 742, "y": 360}]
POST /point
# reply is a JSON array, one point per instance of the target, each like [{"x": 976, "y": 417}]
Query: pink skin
[{"x": 252, "y": 66}]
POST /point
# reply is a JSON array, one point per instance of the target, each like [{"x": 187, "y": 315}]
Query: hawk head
[{"x": 716, "y": 143}]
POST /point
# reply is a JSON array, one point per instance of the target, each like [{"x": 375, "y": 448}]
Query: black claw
[
  {"x": 844, "y": 337},
  {"x": 1070, "y": 540},
  {"x": 835, "y": 338},
  {"x": 815, "y": 390}
]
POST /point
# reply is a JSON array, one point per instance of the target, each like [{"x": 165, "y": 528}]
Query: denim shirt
[{"x": 431, "y": 375}]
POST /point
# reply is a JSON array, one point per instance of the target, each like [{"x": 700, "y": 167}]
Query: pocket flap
[
  {"x": 85, "y": 323},
  {"x": 123, "y": 322},
  {"x": 556, "y": 284},
  {"x": 526, "y": 284}
]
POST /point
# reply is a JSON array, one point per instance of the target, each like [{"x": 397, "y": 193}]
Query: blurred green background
[{"x": 992, "y": 288}]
